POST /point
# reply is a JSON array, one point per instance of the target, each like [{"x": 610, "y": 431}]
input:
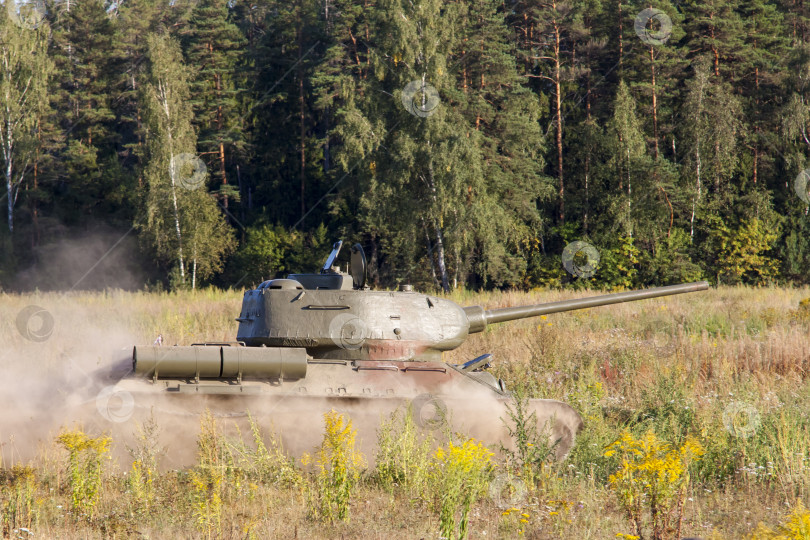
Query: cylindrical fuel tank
[
  {"x": 264, "y": 362},
  {"x": 214, "y": 362}
]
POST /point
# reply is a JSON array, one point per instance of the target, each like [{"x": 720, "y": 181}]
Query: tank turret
[{"x": 333, "y": 315}]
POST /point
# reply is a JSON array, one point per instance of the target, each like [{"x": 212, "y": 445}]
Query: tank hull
[{"x": 439, "y": 396}]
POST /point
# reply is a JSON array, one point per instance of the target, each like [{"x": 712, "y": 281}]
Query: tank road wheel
[{"x": 560, "y": 421}]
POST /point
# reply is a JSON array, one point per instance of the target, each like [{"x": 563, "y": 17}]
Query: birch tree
[
  {"x": 24, "y": 71},
  {"x": 627, "y": 140},
  {"x": 182, "y": 221}
]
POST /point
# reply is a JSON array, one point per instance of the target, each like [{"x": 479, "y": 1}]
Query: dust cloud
[
  {"x": 97, "y": 258},
  {"x": 66, "y": 363},
  {"x": 79, "y": 374}
]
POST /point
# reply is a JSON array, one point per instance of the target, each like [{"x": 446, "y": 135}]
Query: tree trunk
[
  {"x": 177, "y": 217},
  {"x": 715, "y": 52},
  {"x": 438, "y": 229},
  {"x": 654, "y": 103},
  {"x": 587, "y": 202},
  {"x": 172, "y": 172},
  {"x": 558, "y": 121},
  {"x": 440, "y": 257},
  {"x": 220, "y": 125},
  {"x": 629, "y": 194},
  {"x": 34, "y": 207},
  {"x": 8, "y": 172},
  {"x": 9, "y": 202},
  {"x": 756, "y": 129},
  {"x": 698, "y": 189},
  {"x": 301, "y": 105},
  {"x": 621, "y": 39},
  {"x": 430, "y": 254}
]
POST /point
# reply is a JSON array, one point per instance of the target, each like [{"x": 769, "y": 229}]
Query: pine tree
[
  {"x": 653, "y": 67},
  {"x": 282, "y": 126},
  {"x": 716, "y": 29},
  {"x": 213, "y": 46},
  {"x": 797, "y": 17},
  {"x": 134, "y": 19},
  {"x": 497, "y": 102},
  {"x": 551, "y": 30},
  {"x": 765, "y": 42}
]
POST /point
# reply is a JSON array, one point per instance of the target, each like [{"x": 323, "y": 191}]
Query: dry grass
[{"x": 674, "y": 365}]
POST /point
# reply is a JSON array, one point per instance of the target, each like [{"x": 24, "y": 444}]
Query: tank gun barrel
[{"x": 479, "y": 317}]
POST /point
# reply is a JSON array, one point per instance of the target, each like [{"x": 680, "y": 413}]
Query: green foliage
[
  {"x": 268, "y": 463},
  {"x": 19, "y": 506},
  {"x": 213, "y": 478},
  {"x": 671, "y": 261},
  {"x": 652, "y": 479},
  {"x": 272, "y": 251},
  {"x": 85, "y": 469},
  {"x": 532, "y": 448},
  {"x": 180, "y": 220},
  {"x": 743, "y": 253},
  {"x": 459, "y": 475},
  {"x": 338, "y": 467},
  {"x": 618, "y": 265},
  {"x": 554, "y": 123},
  {"x": 213, "y": 42},
  {"x": 402, "y": 455},
  {"x": 144, "y": 470},
  {"x": 24, "y": 78},
  {"x": 666, "y": 406}
]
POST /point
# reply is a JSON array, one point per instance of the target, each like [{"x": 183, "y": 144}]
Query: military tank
[{"x": 326, "y": 338}]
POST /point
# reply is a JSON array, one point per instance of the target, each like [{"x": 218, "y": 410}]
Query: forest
[{"x": 463, "y": 144}]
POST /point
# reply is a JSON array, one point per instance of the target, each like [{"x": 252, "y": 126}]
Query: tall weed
[
  {"x": 143, "y": 473},
  {"x": 85, "y": 469},
  {"x": 403, "y": 455},
  {"x": 338, "y": 466},
  {"x": 18, "y": 489},
  {"x": 460, "y": 474},
  {"x": 652, "y": 479},
  {"x": 268, "y": 463}
]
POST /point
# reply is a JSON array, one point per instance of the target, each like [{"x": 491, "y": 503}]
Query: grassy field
[{"x": 708, "y": 390}]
